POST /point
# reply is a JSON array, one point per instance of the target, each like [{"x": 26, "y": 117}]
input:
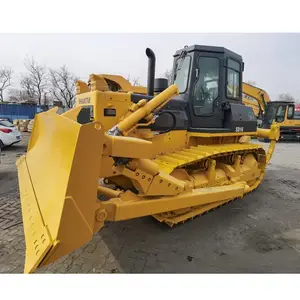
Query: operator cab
[
  {"x": 210, "y": 92},
  {"x": 285, "y": 114},
  {"x": 278, "y": 111}
]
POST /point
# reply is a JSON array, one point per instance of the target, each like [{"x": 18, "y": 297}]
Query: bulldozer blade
[{"x": 58, "y": 180}]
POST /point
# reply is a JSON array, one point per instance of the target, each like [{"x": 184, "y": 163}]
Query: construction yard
[{"x": 259, "y": 233}]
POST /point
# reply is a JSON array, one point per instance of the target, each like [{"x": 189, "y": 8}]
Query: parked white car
[{"x": 9, "y": 134}]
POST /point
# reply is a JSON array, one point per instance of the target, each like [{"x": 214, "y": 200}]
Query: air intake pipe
[{"x": 151, "y": 72}]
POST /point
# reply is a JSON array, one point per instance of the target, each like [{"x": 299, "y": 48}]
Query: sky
[{"x": 271, "y": 60}]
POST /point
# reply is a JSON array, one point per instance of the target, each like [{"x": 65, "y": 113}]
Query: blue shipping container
[{"x": 19, "y": 111}]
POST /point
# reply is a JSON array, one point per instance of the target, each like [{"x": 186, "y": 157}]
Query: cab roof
[
  {"x": 281, "y": 102},
  {"x": 204, "y": 48}
]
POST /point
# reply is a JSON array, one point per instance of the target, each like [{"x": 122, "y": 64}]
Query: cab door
[
  {"x": 216, "y": 81},
  {"x": 280, "y": 114},
  {"x": 204, "y": 104}
]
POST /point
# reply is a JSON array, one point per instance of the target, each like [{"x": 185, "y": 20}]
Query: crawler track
[{"x": 189, "y": 159}]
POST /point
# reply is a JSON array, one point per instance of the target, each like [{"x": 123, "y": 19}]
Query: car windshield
[{"x": 6, "y": 123}]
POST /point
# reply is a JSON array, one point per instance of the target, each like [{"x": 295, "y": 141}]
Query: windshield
[
  {"x": 270, "y": 114},
  {"x": 182, "y": 70},
  {"x": 275, "y": 111},
  {"x": 6, "y": 123}
]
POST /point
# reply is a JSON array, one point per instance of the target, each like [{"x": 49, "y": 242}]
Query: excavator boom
[{"x": 261, "y": 98}]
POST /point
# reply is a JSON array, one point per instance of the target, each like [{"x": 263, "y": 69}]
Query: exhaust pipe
[{"x": 151, "y": 72}]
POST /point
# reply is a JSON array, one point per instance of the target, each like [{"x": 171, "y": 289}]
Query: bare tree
[
  {"x": 19, "y": 96},
  {"x": 34, "y": 82},
  {"x": 5, "y": 80},
  {"x": 168, "y": 75},
  {"x": 286, "y": 97},
  {"x": 128, "y": 78},
  {"x": 63, "y": 86},
  {"x": 135, "y": 81},
  {"x": 251, "y": 82},
  {"x": 28, "y": 88}
]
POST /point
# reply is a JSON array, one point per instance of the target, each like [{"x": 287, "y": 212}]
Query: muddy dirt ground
[{"x": 260, "y": 233}]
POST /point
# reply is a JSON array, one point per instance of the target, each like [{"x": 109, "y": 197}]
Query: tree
[
  {"x": 34, "y": 82},
  {"x": 5, "y": 80},
  {"x": 134, "y": 81},
  {"x": 251, "y": 82},
  {"x": 168, "y": 75},
  {"x": 19, "y": 96},
  {"x": 63, "y": 86},
  {"x": 27, "y": 88},
  {"x": 286, "y": 97}
]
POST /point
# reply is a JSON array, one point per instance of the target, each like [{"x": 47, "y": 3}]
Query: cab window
[
  {"x": 182, "y": 70},
  {"x": 280, "y": 114},
  {"x": 233, "y": 79},
  {"x": 206, "y": 88},
  {"x": 290, "y": 113}
]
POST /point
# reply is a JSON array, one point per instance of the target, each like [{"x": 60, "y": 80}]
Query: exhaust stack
[{"x": 151, "y": 72}]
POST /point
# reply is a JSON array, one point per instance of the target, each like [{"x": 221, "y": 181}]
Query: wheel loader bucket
[{"x": 58, "y": 179}]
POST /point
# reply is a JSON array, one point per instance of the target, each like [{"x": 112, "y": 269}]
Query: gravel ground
[{"x": 258, "y": 234}]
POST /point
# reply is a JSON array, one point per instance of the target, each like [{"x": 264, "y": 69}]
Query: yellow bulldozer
[{"x": 174, "y": 153}]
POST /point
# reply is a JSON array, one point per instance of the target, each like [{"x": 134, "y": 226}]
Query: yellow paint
[
  {"x": 259, "y": 95},
  {"x": 58, "y": 178},
  {"x": 172, "y": 176},
  {"x": 147, "y": 108},
  {"x": 288, "y": 122}
]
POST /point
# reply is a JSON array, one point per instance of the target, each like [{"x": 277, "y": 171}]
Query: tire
[{"x": 1, "y": 144}]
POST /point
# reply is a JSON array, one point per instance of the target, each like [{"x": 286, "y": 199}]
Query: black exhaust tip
[{"x": 151, "y": 71}]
